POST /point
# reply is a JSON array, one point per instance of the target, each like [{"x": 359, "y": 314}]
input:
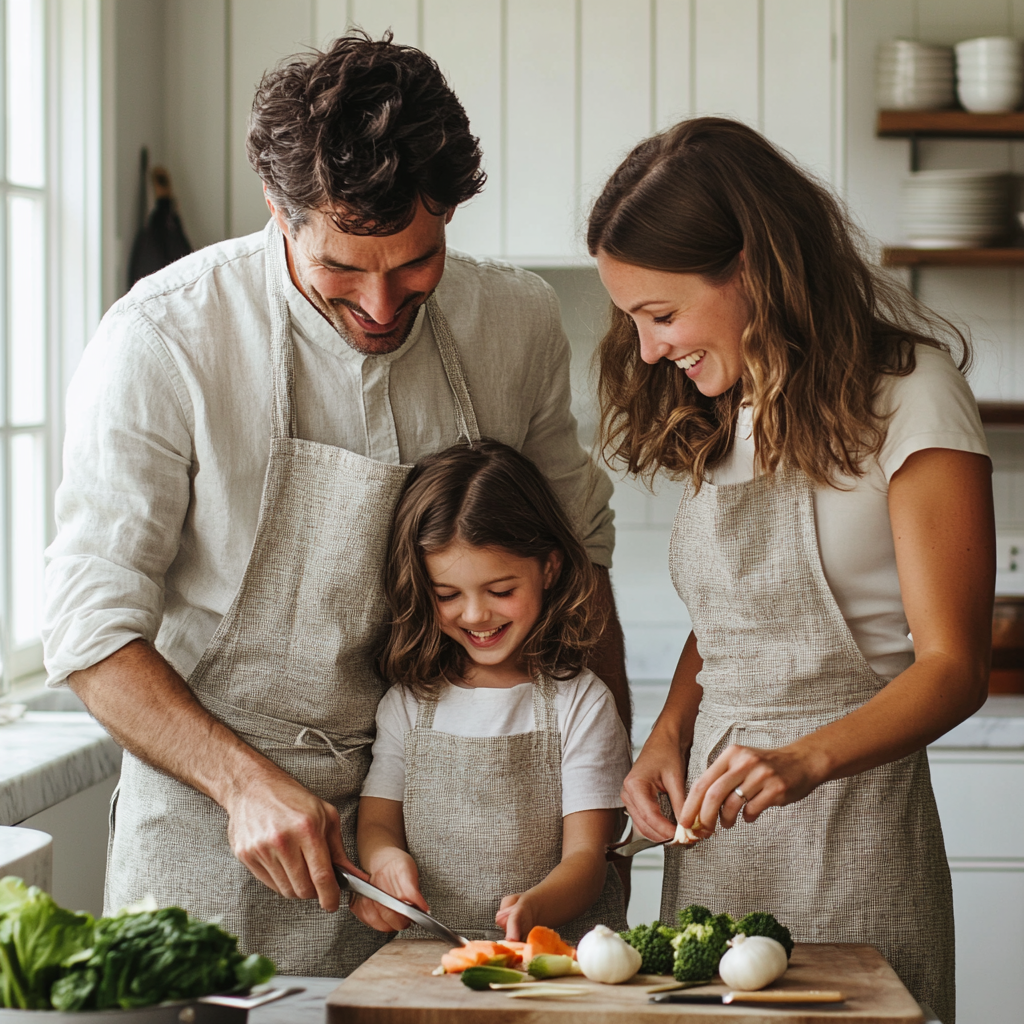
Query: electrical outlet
[{"x": 1010, "y": 552}]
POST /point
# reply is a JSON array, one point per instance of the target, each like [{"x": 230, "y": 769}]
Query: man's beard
[{"x": 364, "y": 343}]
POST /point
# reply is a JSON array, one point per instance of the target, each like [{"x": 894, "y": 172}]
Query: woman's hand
[
  {"x": 517, "y": 915},
  {"x": 766, "y": 778},
  {"x": 395, "y": 872},
  {"x": 658, "y": 769}
]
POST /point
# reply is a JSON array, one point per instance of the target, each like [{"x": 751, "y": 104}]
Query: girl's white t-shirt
[
  {"x": 595, "y": 747},
  {"x": 932, "y": 407}
]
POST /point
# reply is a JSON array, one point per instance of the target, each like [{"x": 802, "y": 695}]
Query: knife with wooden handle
[{"x": 773, "y": 996}]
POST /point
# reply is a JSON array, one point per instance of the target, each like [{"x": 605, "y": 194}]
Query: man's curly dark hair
[{"x": 364, "y": 129}]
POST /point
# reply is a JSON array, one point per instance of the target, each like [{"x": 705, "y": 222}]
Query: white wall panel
[
  {"x": 541, "y": 129},
  {"x": 616, "y": 104},
  {"x": 797, "y": 80},
  {"x": 728, "y": 59},
  {"x": 262, "y": 32},
  {"x": 464, "y": 37},
  {"x": 196, "y": 112},
  {"x": 949, "y": 21},
  {"x": 330, "y": 20},
  {"x": 377, "y": 16},
  {"x": 672, "y": 62}
]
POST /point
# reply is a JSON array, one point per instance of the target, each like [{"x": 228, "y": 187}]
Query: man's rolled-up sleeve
[
  {"x": 553, "y": 444},
  {"x": 123, "y": 498}
]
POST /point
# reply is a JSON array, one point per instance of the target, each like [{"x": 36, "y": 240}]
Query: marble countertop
[{"x": 48, "y": 756}]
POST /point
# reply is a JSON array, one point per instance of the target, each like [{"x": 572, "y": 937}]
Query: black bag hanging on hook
[{"x": 160, "y": 239}]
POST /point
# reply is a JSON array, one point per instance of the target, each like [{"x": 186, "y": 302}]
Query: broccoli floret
[
  {"x": 768, "y": 926},
  {"x": 694, "y": 914},
  {"x": 653, "y": 943},
  {"x": 698, "y": 948}
]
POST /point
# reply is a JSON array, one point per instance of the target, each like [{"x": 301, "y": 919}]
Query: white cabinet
[
  {"x": 557, "y": 90},
  {"x": 979, "y": 794}
]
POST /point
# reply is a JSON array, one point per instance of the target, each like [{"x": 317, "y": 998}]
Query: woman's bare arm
[
  {"x": 940, "y": 507},
  {"x": 661, "y": 766}
]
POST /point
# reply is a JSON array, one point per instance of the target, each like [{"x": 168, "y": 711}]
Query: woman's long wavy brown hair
[
  {"x": 825, "y": 327},
  {"x": 489, "y": 496}
]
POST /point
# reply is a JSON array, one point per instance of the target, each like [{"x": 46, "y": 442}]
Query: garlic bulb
[
  {"x": 752, "y": 962},
  {"x": 605, "y": 956}
]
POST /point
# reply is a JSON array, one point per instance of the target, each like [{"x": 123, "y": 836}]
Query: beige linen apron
[
  {"x": 858, "y": 860},
  {"x": 290, "y": 670},
  {"x": 483, "y": 819}
]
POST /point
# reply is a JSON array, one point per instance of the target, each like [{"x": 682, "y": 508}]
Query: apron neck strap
[
  {"x": 464, "y": 412},
  {"x": 425, "y": 708},
  {"x": 545, "y": 711}
]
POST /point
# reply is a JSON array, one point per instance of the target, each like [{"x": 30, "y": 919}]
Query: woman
[{"x": 838, "y": 498}]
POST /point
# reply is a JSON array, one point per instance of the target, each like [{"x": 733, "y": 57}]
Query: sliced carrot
[
  {"x": 478, "y": 953},
  {"x": 545, "y": 940}
]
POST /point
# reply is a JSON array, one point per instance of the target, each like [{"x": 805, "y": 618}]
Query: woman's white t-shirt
[
  {"x": 933, "y": 407},
  {"x": 595, "y": 747}
]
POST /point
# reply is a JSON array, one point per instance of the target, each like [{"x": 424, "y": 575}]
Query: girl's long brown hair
[
  {"x": 489, "y": 496},
  {"x": 825, "y": 328}
]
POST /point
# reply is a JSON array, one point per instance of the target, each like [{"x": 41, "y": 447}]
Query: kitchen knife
[
  {"x": 775, "y": 996},
  {"x": 371, "y": 892},
  {"x": 634, "y": 846}
]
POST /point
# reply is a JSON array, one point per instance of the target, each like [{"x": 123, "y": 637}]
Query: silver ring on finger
[{"x": 739, "y": 792}]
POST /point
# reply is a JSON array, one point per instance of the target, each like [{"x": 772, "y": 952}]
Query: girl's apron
[
  {"x": 290, "y": 670},
  {"x": 483, "y": 819},
  {"x": 860, "y": 859}
]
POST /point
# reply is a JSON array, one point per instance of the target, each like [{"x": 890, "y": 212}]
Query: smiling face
[
  {"x": 685, "y": 318},
  {"x": 488, "y": 600},
  {"x": 368, "y": 287}
]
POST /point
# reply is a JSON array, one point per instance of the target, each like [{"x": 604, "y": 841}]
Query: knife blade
[
  {"x": 371, "y": 892},
  {"x": 776, "y": 996},
  {"x": 634, "y": 846}
]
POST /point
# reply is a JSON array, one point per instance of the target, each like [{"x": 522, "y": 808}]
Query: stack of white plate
[
  {"x": 955, "y": 209},
  {"x": 989, "y": 74},
  {"x": 912, "y": 76}
]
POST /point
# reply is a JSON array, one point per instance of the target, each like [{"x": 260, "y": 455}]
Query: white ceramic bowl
[
  {"x": 985, "y": 99},
  {"x": 993, "y": 45}
]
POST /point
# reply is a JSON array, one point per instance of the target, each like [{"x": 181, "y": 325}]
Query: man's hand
[
  {"x": 289, "y": 839},
  {"x": 280, "y": 831}
]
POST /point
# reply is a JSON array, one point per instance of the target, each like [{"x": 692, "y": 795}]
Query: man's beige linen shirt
[{"x": 168, "y": 432}]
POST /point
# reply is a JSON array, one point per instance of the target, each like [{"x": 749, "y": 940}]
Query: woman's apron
[
  {"x": 860, "y": 859},
  {"x": 290, "y": 670},
  {"x": 483, "y": 819}
]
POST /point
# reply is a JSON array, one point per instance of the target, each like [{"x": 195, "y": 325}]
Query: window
[{"x": 24, "y": 335}]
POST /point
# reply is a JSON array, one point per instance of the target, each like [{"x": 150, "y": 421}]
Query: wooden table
[{"x": 395, "y": 986}]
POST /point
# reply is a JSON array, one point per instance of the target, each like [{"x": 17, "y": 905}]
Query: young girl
[{"x": 496, "y": 772}]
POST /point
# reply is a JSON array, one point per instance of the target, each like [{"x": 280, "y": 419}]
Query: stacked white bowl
[
  {"x": 913, "y": 76},
  {"x": 955, "y": 209},
  {"x": 990, "y": 74}
]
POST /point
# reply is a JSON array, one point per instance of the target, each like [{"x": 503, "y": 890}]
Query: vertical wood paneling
[
  {"x": 540, "y": 130},
  {"x": 196, "y": 113},
  {"x": 797, "y": 100},
  {"x": 262, "y": 32},
  {"x": 464, "y": 37},
  {"x": 330, "y": 20},
  {"x": 672, "y": 68},
  {"x": 615, "y": 87},
  {"x": 728, "y": 59},
  {"x": 377, "y": 16}
]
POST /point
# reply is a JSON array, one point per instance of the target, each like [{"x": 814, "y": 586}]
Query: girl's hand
[
  {"x": 395, "y": 872},
  {"x": 517, "y": 916},
  {"x": 767, "y": 778},
  {"x": 658, "y": 769}
]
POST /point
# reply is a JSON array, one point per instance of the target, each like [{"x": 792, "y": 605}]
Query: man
[{"x": 238, "y": 434}]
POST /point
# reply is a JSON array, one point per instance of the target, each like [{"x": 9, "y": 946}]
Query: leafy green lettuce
[
  {"x": 53, "y": 958},
  {"x": 36, "y": 937}
]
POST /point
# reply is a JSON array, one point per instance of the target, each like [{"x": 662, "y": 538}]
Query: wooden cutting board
[{"x": 395, "y": 986}]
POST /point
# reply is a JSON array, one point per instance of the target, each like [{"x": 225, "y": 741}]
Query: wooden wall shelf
[
  {"x": 900, "y": 256},
  {"x": 950, "y": 123},
  {"x": 1002, "y": 414}
]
